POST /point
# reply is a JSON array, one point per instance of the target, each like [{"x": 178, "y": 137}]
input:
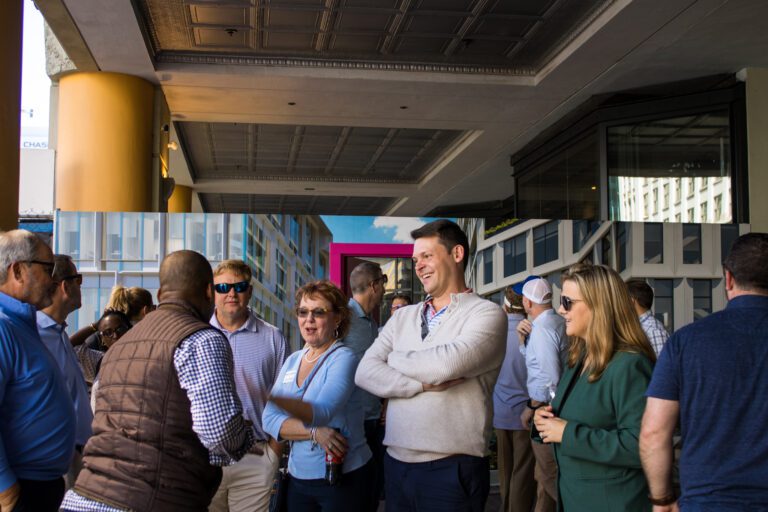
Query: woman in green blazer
[{"x": 594, "y": 420}]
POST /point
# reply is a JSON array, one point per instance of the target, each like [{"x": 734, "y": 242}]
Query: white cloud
[{"x": 402, "y": 226}]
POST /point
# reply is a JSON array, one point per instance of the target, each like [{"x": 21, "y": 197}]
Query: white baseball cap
[{"x": 538, "y": 291}]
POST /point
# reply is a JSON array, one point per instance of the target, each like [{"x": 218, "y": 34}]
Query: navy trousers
[
  {"x": 352, "y": 494},
  {"x": 459, "y": 483}
]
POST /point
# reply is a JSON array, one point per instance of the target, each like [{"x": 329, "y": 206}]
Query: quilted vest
[{"x": 143, "y": 454}]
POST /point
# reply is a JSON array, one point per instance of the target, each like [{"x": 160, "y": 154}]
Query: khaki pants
[
  {"x": 546, "y": 477},
  {"x": 247, "y": 485},
  {"x": 516, "y": 463}
]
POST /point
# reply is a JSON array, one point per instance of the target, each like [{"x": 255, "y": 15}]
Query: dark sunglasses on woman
[{"x": 240, "y": 287}]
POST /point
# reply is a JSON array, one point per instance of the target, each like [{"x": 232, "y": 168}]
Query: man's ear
[
  {"x": 458, "y": 253},
  {"x": 730, "y": 283},
  {"x": 16, "y": 269}
]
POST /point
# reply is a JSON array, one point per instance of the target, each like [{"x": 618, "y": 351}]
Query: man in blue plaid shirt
[
  {"x": 167, "y": 414},
  {"x": 642, "y": 298}
]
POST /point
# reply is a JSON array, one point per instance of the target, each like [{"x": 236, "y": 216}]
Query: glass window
[
  {"x": 488, "y": 265},
  {"x": 702, "y": 298},
  {"x": 76, "y": 235},
  {"x": 151, "y": 236},
  {"x": 654, "y": 242},
  {"x": 545, "y": 243},
  {"x": 728, "y": 235},
  {"x": 281, "y": 278},
  {"x": 194, "y": 232},
  {"x": 582, "y": 231},
  {"x": 564, "y": 186},
  {"x": 236, "y": 236},
  {"x": 514, "y": 255},
  {"x": 131, "y": 236},
  {"x": 691, "y": 244},
  {"x": 621, "y": 246},
  {"x": 257, "y": 249},
  {"x": 606, "y": 252},
  {"x": 663, "y": 302},
  {"x": 175, "y": 231},
  {"x": 658, "y": 152},
  {"x": 214, "y": 236},
  {"x": 294, "y": 234},
  {"x": 112, "y": 236}
]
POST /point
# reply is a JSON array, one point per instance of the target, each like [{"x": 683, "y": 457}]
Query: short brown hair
[
  {"x": 335, "y": 297},
  {"x": 238, "y": 267},
  {"x": 746, "y": 262},
  {"x": 448, "y": 233},
  {"x": 640, "y": 291}
]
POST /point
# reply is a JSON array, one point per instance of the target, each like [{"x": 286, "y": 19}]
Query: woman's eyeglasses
[
  {"x": 316, "y": 313},
  {"x": 240, "y": 287},
  {"x": 113, "y": 333},
  {"x": 567, "y": 302}
]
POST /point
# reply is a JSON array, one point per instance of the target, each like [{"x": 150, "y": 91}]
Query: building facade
[
  {"x": 283, "y": 251},
  {"x": 681, "y": 262}
]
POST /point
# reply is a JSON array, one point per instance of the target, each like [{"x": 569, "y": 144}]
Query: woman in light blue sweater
[{"x": 309, "y": 408}]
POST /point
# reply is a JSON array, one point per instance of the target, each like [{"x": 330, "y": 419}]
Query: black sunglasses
[
  {"x": 48, "y": 265},
  {"x": 78, "y": 278},
  {"x": 567, "y": 302},
  {"x": 240, "y": 287}
]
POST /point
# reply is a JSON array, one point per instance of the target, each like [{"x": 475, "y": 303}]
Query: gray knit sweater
[{"x": 469, "y": 342}]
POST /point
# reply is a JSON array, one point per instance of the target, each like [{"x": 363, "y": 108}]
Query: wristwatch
[
  {"x": 531, "y": 406},
  {"x": 666, "y": 500}
]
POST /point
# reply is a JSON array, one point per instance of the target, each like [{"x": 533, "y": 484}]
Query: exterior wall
[
  {"x": 605, "y": 245},
  {"x": 127, "y": 248}
]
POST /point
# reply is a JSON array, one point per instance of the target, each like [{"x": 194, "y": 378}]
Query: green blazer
[{"x": 598, "y": 459}]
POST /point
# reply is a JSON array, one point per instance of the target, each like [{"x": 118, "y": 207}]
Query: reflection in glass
[
  {"x": 663, "y": 302},
  {"x": 702, "y": 298},
  {"x": 691, "y": 244},
  {"x": 654, "y": 242},
  {"x": 671, "y": 170},
  {"x": 488, "y": 265},
  {"x": 545, "y": 243},
  {"x": 514, "y": 255}
]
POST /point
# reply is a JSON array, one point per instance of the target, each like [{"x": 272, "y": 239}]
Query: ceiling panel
[{"x": 295, "y": 204}]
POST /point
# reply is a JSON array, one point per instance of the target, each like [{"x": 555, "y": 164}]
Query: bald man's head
[{"x": 187, "y": 275}]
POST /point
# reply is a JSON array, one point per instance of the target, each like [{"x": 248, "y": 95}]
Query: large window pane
[
  {"x": 702, "y": 298},
  {"x": 175, "y": 232},
  {"x": 131, "y": 236},
  {"x": 545, "y": 243},
  {"x": 582, "y": 231},
  {"x": 663, "y": 302},
  {"x": 488, "y": 266},
  {"x": 654, "y": 242},
  {"x": 514, "y": 255},
  {"x": 646, "y": 160},
  {"x": 728, "y": 235},
  {"x": 691, "y": 244},
  {"x": 621, "y": 246},
  {"x": 236, "y": 236},
  {"x": 564, "y": 186},
  {"x": 151, "y": 246},
  {"x": 194, "y": 232},
  {"x": 214, "y": 236}
]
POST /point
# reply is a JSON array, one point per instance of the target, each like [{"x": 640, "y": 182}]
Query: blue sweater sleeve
[
  {"x": 335, "y": 388},
  {"x": 273, "y": 417}
]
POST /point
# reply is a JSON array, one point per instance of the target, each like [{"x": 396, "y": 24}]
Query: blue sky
[{"x": 376, "y": 230}]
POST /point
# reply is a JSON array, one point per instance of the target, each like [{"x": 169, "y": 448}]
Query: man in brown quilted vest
[{"x": 167, "y": 414}]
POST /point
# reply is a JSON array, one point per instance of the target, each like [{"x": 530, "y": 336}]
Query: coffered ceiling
[{"x": 388, "y": 107}]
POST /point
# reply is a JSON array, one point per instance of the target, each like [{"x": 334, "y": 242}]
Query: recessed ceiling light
[
  {"x": 403, "y": 107},
  {"x": 594, "y": 187},
  {"x": 291, "y": 103},
  {"x": 309, "y": 188}
]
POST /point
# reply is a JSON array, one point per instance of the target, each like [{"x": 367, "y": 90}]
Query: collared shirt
[
  {"x": 37, "y": 418},
  {"x": 259, "y": 351},
  {"x": 55, "y": 339},
  {"x": 511, "y": 392},
  {"x": 363, "y": 331},
  {"x": 655, "y": 331},
  {"x": 431, "y": 317},
  {"x": 327, "y": 389},
  {"x": 202, "y": 362},
  {"x": 545, "y": 355}
]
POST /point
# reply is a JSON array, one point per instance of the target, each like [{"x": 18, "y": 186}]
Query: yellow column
[
  {"x": 104, "y": 151},
  {"x": 10, "y": 112},
  {"x": 181, "y": 200},
  {"x": 757, "y": 147}
]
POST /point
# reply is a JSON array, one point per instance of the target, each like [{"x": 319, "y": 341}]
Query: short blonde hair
[
  {"x": 238, "y": 267},
  {"x": 615, "y": 326}
]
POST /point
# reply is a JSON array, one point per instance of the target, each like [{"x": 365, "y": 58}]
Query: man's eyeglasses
[
  {"x": 113, "y": 333},
  {"x": 240, "y": 287},
  {"x": 316, "y": 313},
  {"x": 78, "y": 278},
  {"x": 48, "y": 265},
  {"x": 567, "y": 302},
  {"x": 383, "y": 279}
]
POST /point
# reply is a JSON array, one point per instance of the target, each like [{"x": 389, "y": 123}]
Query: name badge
[{"x": 290, "y": 376}]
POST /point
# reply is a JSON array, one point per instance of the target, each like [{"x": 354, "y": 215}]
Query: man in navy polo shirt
[{"x": 712, "y": 376}]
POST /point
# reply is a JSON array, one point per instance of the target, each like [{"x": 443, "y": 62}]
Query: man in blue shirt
[
  {"x": 711, "y": 377},
  {"x": 37, "y": 418},
  {"x": 51, "y": 324},
  {"x": 545, "y": 345},
  {"x": 368, "y": 285}
]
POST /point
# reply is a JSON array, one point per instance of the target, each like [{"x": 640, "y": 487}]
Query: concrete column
[
  {"x": 104, "y": 147},
  {"x": 11, "y": 23},
  {"x": 757, "y": 147},
  {"x": 181, "y": 200}
]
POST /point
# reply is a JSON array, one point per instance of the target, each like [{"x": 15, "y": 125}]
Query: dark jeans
[
  {"x": 40, "y": 495},
  {"x": 374, "y": 436},
  {"x": 352, "y": 494},
  {"x": 459, "y": 483}
]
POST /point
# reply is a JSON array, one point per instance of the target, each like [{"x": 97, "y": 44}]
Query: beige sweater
[{"x": 469, "y": 342}]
